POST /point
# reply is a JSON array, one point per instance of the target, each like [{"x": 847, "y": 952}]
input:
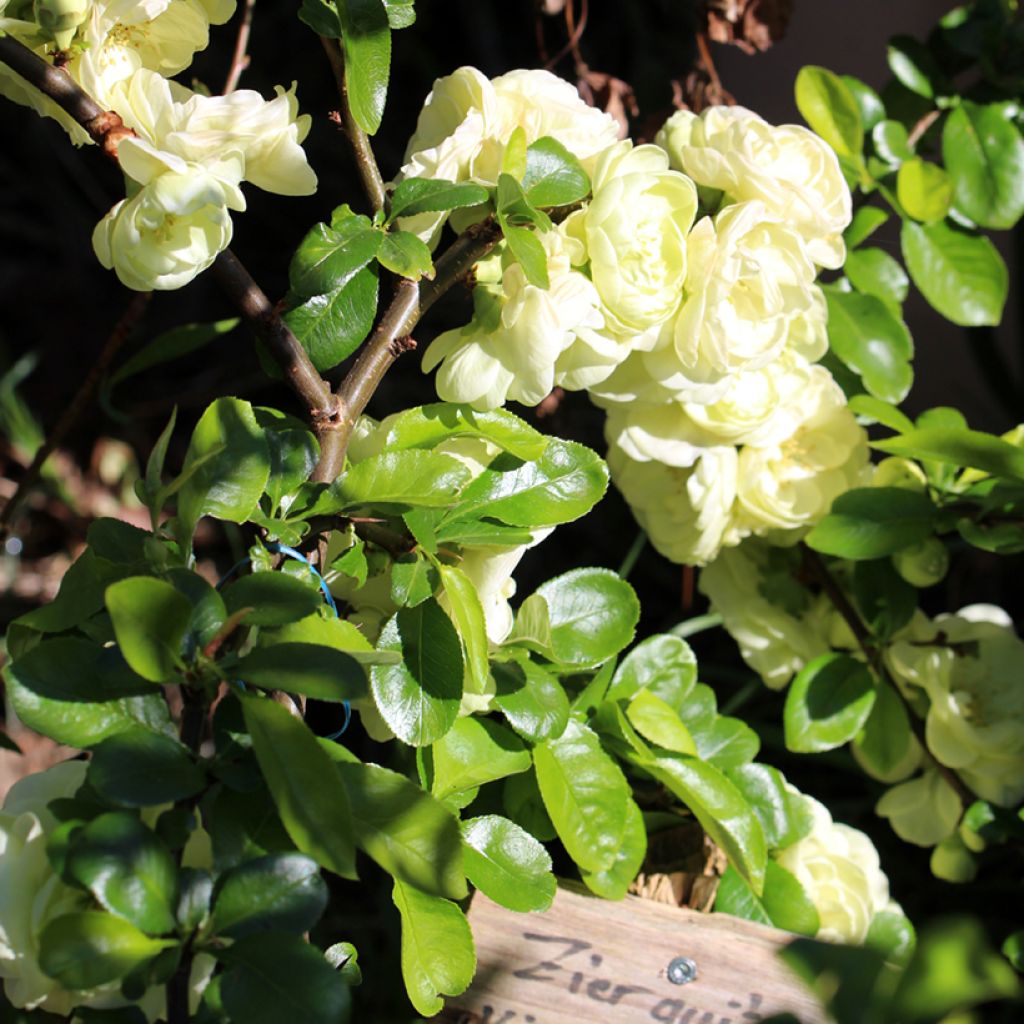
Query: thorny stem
[
  {"x": 817, "y": 570},
  {"x": 366, "y": 162},
  {"x": 77, "y": 406},
  {"x": 240, "y": 59}
]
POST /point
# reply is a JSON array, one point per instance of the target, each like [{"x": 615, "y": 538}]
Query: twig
[
  {"x": 366, "y": 162},
  {"x": 921, "y": 127},
  {"x": 73, "y": 411},
  {"x": 817, "y": 570},
  {"x": 240, "y": 60},
  {"x": 575, "y": 30}
]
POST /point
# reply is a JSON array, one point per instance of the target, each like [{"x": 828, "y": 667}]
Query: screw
[{"x": 682, "y": 970}]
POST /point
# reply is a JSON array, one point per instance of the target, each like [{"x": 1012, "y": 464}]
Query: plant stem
[
  {"x": 366, "y": 162},
  {"x": 240, "y": 59},
  {"x": 178, "y": 992},
  {"x": 817, "y": 570}
]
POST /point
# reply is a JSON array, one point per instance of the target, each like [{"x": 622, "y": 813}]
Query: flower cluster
[
  {"x": 190, "y": 152},
  {"x": 682, "y": 297}
]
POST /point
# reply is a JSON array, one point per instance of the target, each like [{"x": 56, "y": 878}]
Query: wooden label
[{"x": 592, "y": 961}]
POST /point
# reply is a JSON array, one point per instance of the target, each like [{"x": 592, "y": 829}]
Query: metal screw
[{"x": 682, "y": 970}]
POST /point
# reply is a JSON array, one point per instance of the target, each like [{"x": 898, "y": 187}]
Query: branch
[
  {"x": 366, "y": 162},
  {"x": 240, "y": 59},
  {"x": 922, "y": 126},
  {"x": 816, "y": 568}
]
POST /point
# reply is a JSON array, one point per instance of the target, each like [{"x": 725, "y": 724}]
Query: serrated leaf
[
  {"x": 150, "y": 620},
  {"x": 405, "y": 254},
  {"x": 884, "y": 740},
  {"x": 321, "y": 17},
  {"x": 366, "y": 42},
  {"x": 413, "y": 579},
  {"x": 475, "y": 751},
  {"x": 414, "y": 196},
  {"x": 506, "y": 863},
  {"x": 663, "y": 664},
  {"x": 827, "y": 703},
  {"x": 330, "y": 256},
  {"x": 531, "y": 699},
  {"x": 553, "y": 176}
]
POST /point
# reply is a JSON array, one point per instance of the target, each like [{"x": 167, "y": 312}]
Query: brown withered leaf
[
  {"x": 752, "y": 25},
  {"x": 610, "y": 94}
]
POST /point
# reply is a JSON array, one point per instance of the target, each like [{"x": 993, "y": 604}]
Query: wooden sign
[{"x": 592, "y": 961}]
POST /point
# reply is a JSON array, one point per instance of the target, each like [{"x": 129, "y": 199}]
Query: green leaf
[
  {"x": 409, "y": 833},
  {"x": 401, "y": 13},
  {"x": 128, "y": 870},
  {"x": 585, "y": 794},
  {"x": 79, "y": 693},
  {"x": 438, "y": 957},
  {"x": 830, "y": 108},
  {"x": 529, "y": 253},
  {"x": 513, "y": 164},
  {"x": 312, "y": 670},
  {"x": 80, "y": 595},
  {"x": 399, "y": 479},
  {"x": 728, "y": 743},
  {"x": 613, "y": 883},
  {"x": 278, "y": 977},
  {"x": 231, "y": 466},
  {"x": 279, "y": 893},
  {"x": 294, "y": 451},
  {"x": 663, "y": 664},
  {"x": 554, "y": 177},
  {"x": 321, "y": 17},
  {"x": 871, "y": 522},
  {"x": 892, "y": 142},
  {"x": 331, "y": 255},
  {"x": 139, "y": 768},
  {"x": 872, "y": 110},
  {"x": 924, "y": 190},
  {"x": 426, "y": 195},
  {"x": 880, "y": 412},
  {"x": 274, "y": 598},
  {"x": 961, "y": 275},
  {"x": 866, "y": 221},
  {"x": 531, "y": 699},
  {"x": 958, "y": 447},
  {"x": 884, "y": 599},
  {"x": 307, "y": 792},
  {"x": 330, "y": 326},
  {"x": 873, "y": 341},
  {"x": 892, "y": 935},
  {"x": 719, "y": 807},
  {"x": 413, "y": 579},
  {"x": 366, "y": 42},
  {"x": 92, "y": 948},
  {"x": 874, "y": 272},
  {"x": 590, "y": 615},
  {"x": 658, "y": 722},
  {"x": 782, "y": 814},
  {"x": 405, "y": 254},
  {"x": 424, "y": 426},
  {"x": 784, "y": 903},
  {"x": 884, "y": 740},
  {"x": 915, "y": 67},
  {"x": 507, "y": 863},
  {"x": 984, "y": 154},
  {"x": 467, "y": 613},
  {"x": 474, "y": 751},
  {"x": 827, "y": 704},
  {"x": 419, "y": 697},
  {"x": 521, "y": 799},
  {"x": 564, "y": 483},
  {"x": 844, "y": 978},
  {"x": 150, "y": 620}
]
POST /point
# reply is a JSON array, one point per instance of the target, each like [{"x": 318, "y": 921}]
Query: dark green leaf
[
  {"x": 274, "y": 597},
  {"x": 844, "y": 978},
  {"x": 884, "y": 741},
  {"x": 331, "y": 255},
  {"x": 424, "y": 426},
  {"x": 913, "y": 64},
  {"x": 884, "y": 599},
  {"x": 283, "y": 892},
  {"x": 322, "y": 17},
  {"x": 80, "y": 595},
  {"x": 293, "y": 452},
  {"x": 958, "y": 447},
  {"x": 312, "y": 670},
  {"x": 531, "y": 699},
  {"x": 172, "y": 344},
  {"x": 474, "y": 751},
  {"x": 827, "y": 704},
  {"x": 507, "y": 863},
  {"x": 553, "y": 175},
  {"x": 425, "y": 195},
  {"x": 521, "y": 799},
  {"x": 140, "y": 768},
  {"x": 419, "y": 697},
  {"x": 783, "y": 904},
  {"x": 366, "y": 41},
  {"x": 150, "y": 621},
  {"x": 830, "y": 108},
  {"x": 403, "y": 253}
]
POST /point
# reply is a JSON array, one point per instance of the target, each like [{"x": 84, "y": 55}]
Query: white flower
[
  {"x": 923, "y": 811},
  {"x": 839, "y": 869},
  {"x": 788, "y": 168}
]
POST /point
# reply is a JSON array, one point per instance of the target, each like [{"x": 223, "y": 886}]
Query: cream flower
[
  {"x": 923, "y": 811},
  {"x": 788, "y": 168},
  {"x": 839, "y": 869},
  {"x": 969, "y": 666}
]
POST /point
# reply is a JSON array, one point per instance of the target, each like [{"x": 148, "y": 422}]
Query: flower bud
[
  {"x": 61, "y": 18},
  {"x": 924, "y": 564}
]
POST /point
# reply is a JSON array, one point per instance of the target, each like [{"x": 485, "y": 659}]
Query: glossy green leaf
[
  {"x": 915, "y": 67},
  {"x": 332, "y": 254},
  {"x": 413, "y": 579},
  {"x": 474, "y": 751},
  {"x": 128, "y": 870},
  {"x": 961, "y": 275},
  {"x": 613, "y": 883},
  {"x": 659, "y": 723},
  {"x": 891, "y": 142},
  {"x": 330, "y": 326},
  {"x": 78, "y": 693},
  {"x": 871, "y": 340},
  {"x": 92, "y": 948},
  {"x": 872, "y": 522},
  {"x": 424, "y": 426},
  {"x": 782, "y": 813},
  {"x": 405, "y": 254},
  {"x": 884, "y": 740},
  {"x": 866, "y": 221},
  {"x": 419, "y": 697},
  {"x": 553, "y": 175},
  {"x": 438, "y": 957},
  {"x": 140, "y": 768},
  {"x": 892, "y": 935},
  {"x": 958, "y": 447},
  {"x": 468, "y": 615},
  {"x": 532, "y": 700},
  {"x": 278, "y": 977},
  {"x": 227, "y": 465},
  {"x": 150, "y": 620},
  {"x": 401, "y": 13},
  {"x": 280, "y": 893},
  {"x": 880, "y": 412},
  {"x": 312, "y": 670},
  {"x": 506, "y": 863},
  {"x": 727, "y": 743},
  {"x": 784, "y": 902},
  {"x": 873, "y": 271},
  {"x": 924, "y": 190},
  {"x": 830, "y": 108},
  {"x": 426, "y": 195},
  {"x": 275, "y": 598},
  {"x": 399, "y": 479},
  {"x": 827, "y": 703},
  {"x": 585, "y": 794},
  {"x": 307, "y": 792},
  {"x": 529, "y": 253},
  {"x": 983, "y": 151},
  {"x": 322, "y": 17},
  {"x": 366, "y": 42},
  {"x": 663, "y": 664},
  {"x": 872, "y": 110}
]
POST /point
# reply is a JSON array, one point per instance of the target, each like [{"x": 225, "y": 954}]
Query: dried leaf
[{"x": 752, "y": 25}]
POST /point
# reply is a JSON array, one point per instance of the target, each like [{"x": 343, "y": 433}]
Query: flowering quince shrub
[{"x": 177, "y": 871}]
